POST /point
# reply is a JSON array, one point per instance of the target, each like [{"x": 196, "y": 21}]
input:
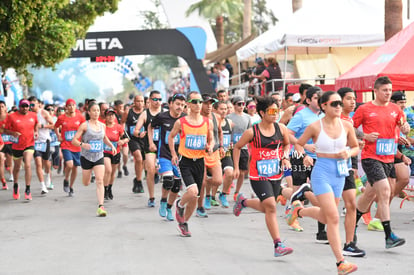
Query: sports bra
[{"x": 327, "y": 145}]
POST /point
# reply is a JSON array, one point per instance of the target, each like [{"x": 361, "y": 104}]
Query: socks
[
  {"x": 358, "y": 216},
  {"x": 276, "y": 242},
  {"x": 321, "y": 227},
  {"x": 387, "y": 228}
]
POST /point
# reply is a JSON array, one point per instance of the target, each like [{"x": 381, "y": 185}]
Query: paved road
[{"x": 56, "y": 234}]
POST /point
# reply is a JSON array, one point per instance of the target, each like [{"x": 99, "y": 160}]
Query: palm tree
[
  {"x": 393, "y": 17},
  {"x": 217, "y": 9},
  {"x": 247, "y": 18}
]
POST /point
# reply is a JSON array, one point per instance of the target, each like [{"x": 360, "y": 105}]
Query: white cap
[{"x": 296, "y": 97}]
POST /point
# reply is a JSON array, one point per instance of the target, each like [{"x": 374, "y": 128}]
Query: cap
[
  {"x": 70, "y": 101},
  {"x": 23, "y": 102},
  {"x": 109, "y": 110},
  {"x": 259, "y": 60},
  {"x": 296, "y": 97},
  {"x": 397, "y": 96},
  {"x": 236, "y": 99},
  {"x": 207, "y": 97}
]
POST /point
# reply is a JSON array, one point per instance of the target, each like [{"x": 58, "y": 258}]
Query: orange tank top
[{"x": 193, "y": 139}]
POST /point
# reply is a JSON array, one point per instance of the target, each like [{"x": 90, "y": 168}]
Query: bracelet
[{"x": 80, "y": 144}]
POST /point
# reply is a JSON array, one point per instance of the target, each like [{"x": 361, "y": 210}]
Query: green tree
[
  {"x": 42, "y": 32},
  {"x": 218, "y": 9}
]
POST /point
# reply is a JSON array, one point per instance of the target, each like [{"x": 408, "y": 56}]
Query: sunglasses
[
  {"x": 178, "y": 95},
  {"x": 32, "y": 105},
  {"x": 156, "y": 99},
  {"x": 196, "y": 101},
  {"x": 240, "y": 104},
  {"x": 251, "y": 107},
  {"x": 24, "y": 106},
  {"x": 335, "y": 103},
  {"x": 49, "y": 109},
  {"x": 272, "y": 111}
]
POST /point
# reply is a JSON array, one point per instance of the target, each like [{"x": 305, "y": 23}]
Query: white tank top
[
  {"x": 44, "y": 133},
  {"x": 328, "y": 145}
]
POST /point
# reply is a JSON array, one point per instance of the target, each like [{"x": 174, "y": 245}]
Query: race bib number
[
  {"x": 6, "y": 138},
  {"x": 156, "y": 136},
  {"x": 69, "y": 135},
  {"x": 40, "y": 146},
  {"x": 268, "y": 168},
  {"x": 108, "y": 148},
  {"x": 96, "y": 146},
  {"x": 342, "y": 168},
  {"x": 236, "y": 138},
  {"x": 53, "y": 136},
  {"x": 386, "y": 147},
  {"x": 226, "y": 141},
  {"x": 195, "y": 142},
  {"x": 14, "y": 139},
  {"x": 176, "y": 138}
]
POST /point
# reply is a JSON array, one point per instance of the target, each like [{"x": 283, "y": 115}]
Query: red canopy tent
[{"x": 394, "y": 59}]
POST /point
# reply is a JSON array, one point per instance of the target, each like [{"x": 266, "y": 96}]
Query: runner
[
  {"x": 119, "y": 113},
  {"x": 196, "y": 140},
  {"x": 330, "y": 135},
  {"x": 6, "y": 152},
  {"x": 171, "y": 178},
  {"x": 65, "y": 128},
  {"x": 348, "y": 98},
  {"x": 42, "y": 152},
  {"x": 214, "y": 174},
  {"x": 115, "y": 134},
  {"x": 92, "y": 135},
  {"x": 269, "y": 143},
  {"x": 378, "y": 153},
  {"x": 150, "y": 156},
  {"x": 135, "y": 144},
  {"x": 23, "y": 126},
  {"x": 301, "y": 173},
  {"x": 241, "y": 122}
]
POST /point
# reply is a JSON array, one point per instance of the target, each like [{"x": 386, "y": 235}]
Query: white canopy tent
[{"x": 323, "y": 23}]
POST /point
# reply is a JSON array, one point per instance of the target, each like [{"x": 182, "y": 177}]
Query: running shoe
[
  {"x": 126, "y": 172},
  {"x": 280, "y": 199},
  {"x": 163, "y": 209},
  {"x": 235, "y": 196},
  {"x": 140, "y": 188},
  {"x": 28, "y": 195},
  {"x": 183, "y": 229},
  {"x": 16, "y": 192},
  {"x": 299, "y": 195},
  {"x": 4, "y": 183},
  {"x": 214, "y": 202},
  {"x": 293, "y": 212},
  {"x": 106, "y": 193},
  {"x": 179, "y": 212},
  {"x": 170, "y": 216},
  {"x": 207, "y": 203},
  {"x": 71, "y": 192},
  {"x": 238, "y": 206},
  {"x": 359, "y": 186},
  {"x": 135, "y": 186},
  {"x": 282, "y": 250},
  {"x": 201, "y": 213},
  {"x": 223, "y": 200},
  {"x": 101, "y": 212},
  {"x": 296, "y": 226},
  {"x": 119, "y": 174},
  {"x": 44, "y": 189},
  {"x": 352, "y": 250},
  {"x": 367, "y": 218},
  {"x": 343, "y": 212},
  {"x": 375, "y": 225},
  {"x": 394, "y": 241},
  {"x": 50, "y": 186},
  {"x": 66, "y": 186},
  {"x": 93, "y": 178},
  {"x": 322, "y": 237},
  {"x": 156, "y": 178},
  {"x": 346, "y": 268},
  {"x": 11, "y": 179},
  {"x": 151, "y": 203}
]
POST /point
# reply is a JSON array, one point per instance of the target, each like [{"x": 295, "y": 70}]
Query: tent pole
[
  {"x": 284, "y": 76},
  {"x": 238, "y": 65}
]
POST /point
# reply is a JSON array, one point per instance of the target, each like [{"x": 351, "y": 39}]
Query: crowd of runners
[{"x": 201, "y": 147}]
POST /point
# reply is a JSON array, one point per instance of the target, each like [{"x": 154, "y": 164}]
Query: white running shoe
[{"x": 44, "y": 189}]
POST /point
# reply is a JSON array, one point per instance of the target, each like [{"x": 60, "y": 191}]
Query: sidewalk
[{"x": 56, "y": 234}]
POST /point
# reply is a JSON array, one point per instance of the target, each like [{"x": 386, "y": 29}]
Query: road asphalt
[{"x": 57, "y": 234}]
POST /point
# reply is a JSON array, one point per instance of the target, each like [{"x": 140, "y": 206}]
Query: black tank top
[
  {"x": 226, "y": 129},
  {"x": 130, "y": 123}
]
